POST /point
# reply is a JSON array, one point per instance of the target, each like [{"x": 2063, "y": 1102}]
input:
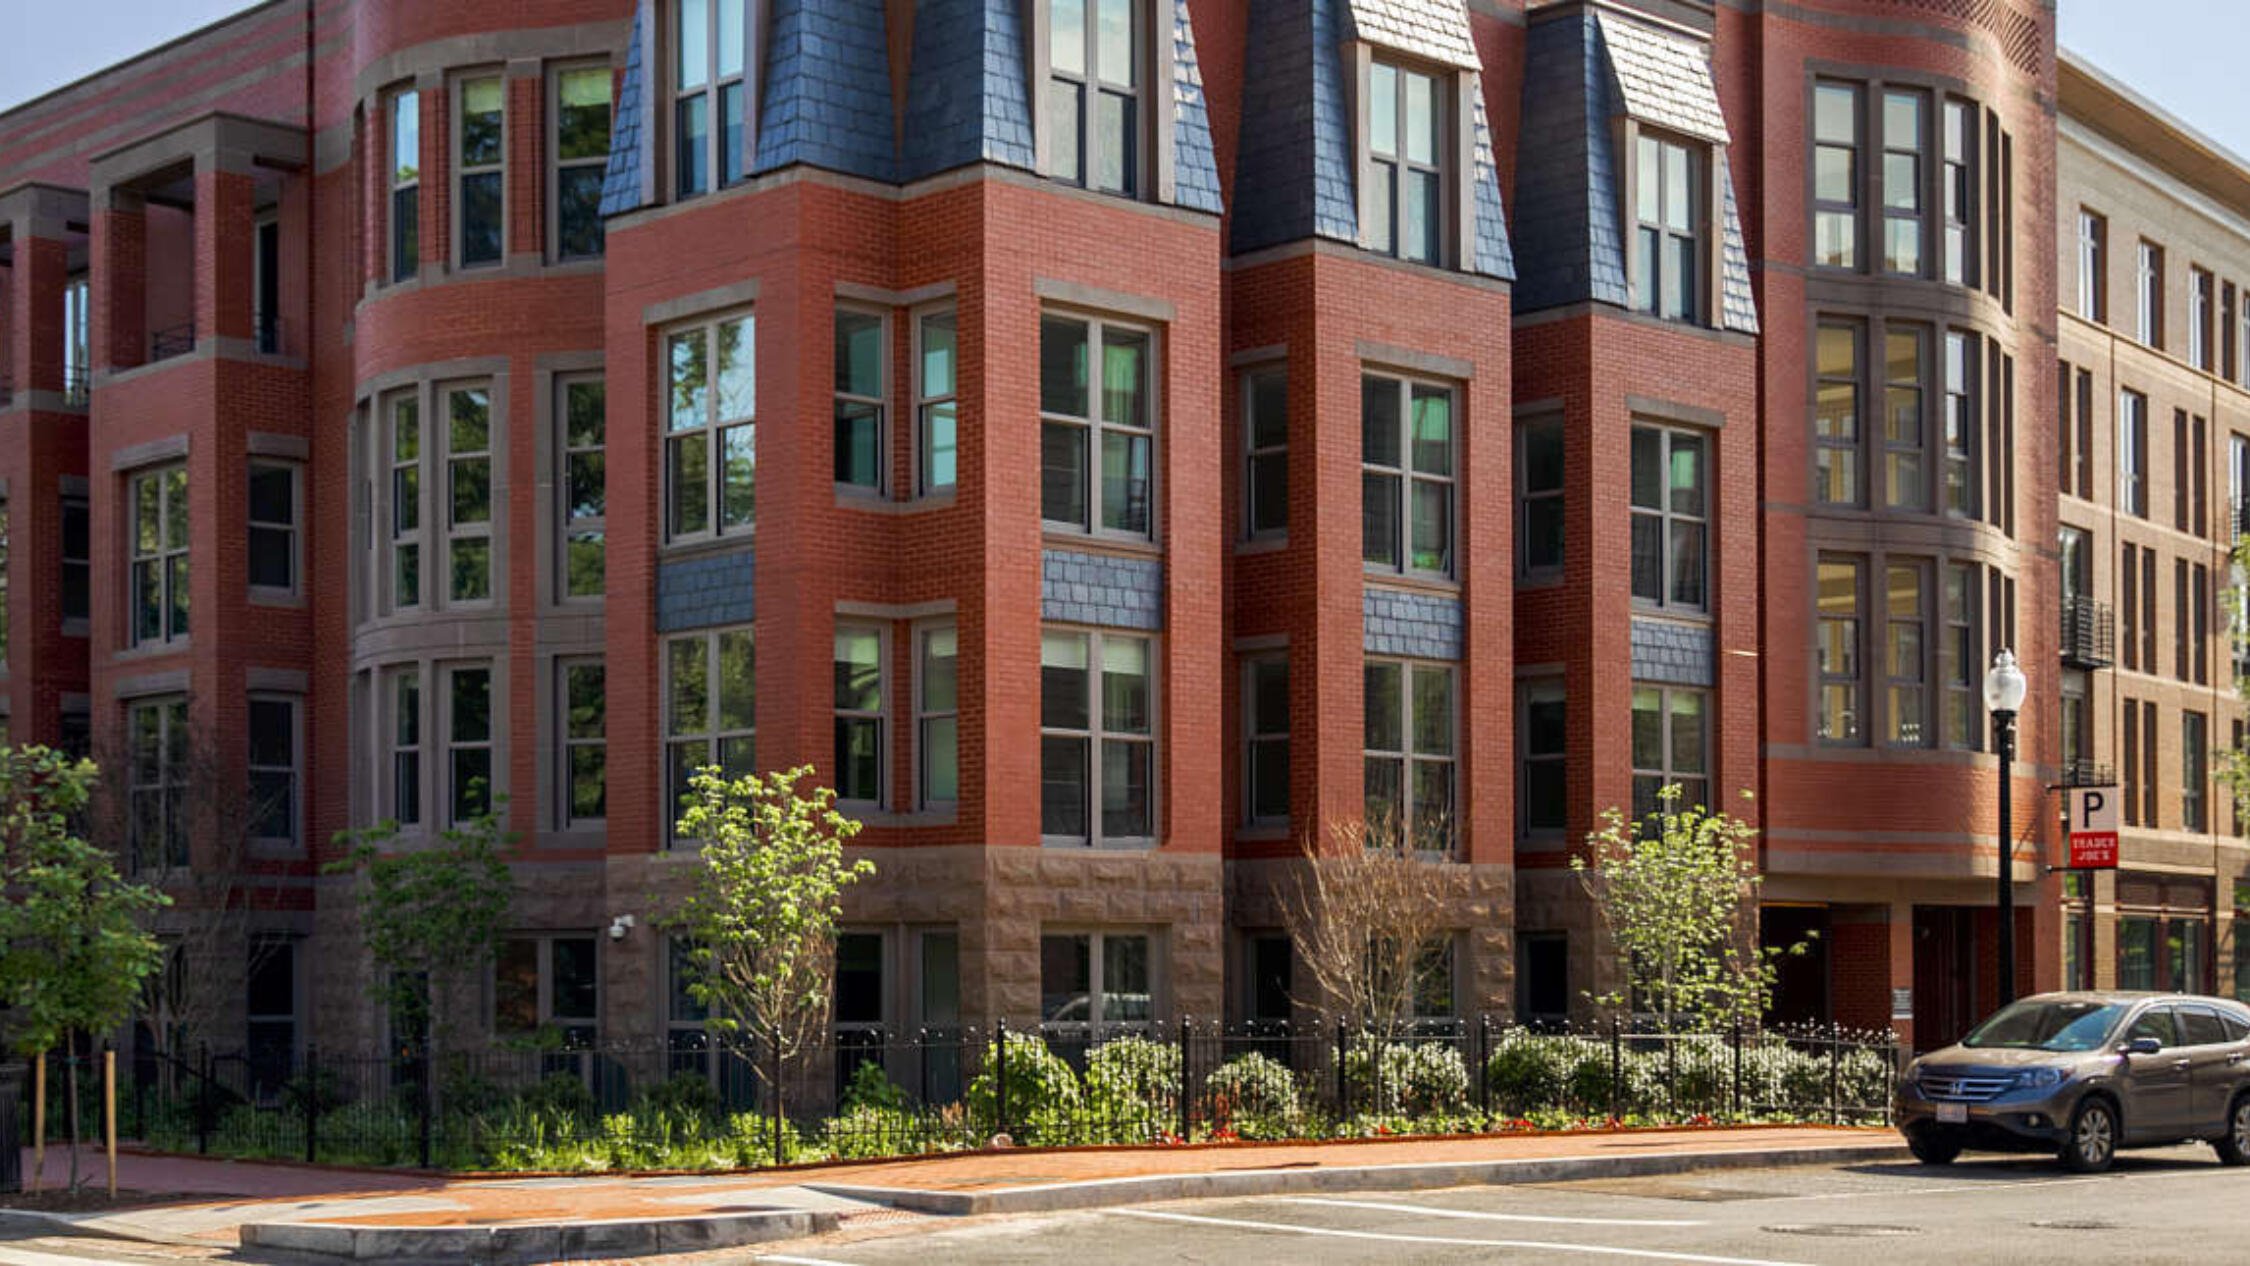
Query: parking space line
[
  {"x": 787, "y": 1260},
  {"x": 1440, "y": 1211},
  {"x": 1539, "y": 1246}
]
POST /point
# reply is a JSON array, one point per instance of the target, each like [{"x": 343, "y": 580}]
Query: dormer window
[
  {"x": 1095, "y": 53},
  {"x": 1668, "y": 199},
  {"x": 707, "y": 95},
  {"x": 1406, "y": 168}
]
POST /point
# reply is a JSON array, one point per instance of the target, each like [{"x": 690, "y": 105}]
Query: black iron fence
[{"x": 703, "y": 1104}]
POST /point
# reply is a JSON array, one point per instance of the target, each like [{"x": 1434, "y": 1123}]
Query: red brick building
[{"x": 1113, "y": 441}]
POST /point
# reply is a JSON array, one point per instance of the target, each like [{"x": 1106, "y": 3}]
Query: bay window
[
  {"x": 404, "y": 451},
  {"x": 710, "y": 711},
  {"x": 937, "y": 711},
  {"x": 861, "y": 361},
  {"x": 469, "y": 767},
  {"x": 1670, "y": 482},
  {"x": 480, "y": 154},
  {"x": 159, "y": 546},
  {"x": 707, "y": 95},
  {"x": 1097, "y": 439},
  {"x": 1095, "y": 71},
  {"x": 585, "y": 748},
  {"x": 1407, "y": 460},
  {"x": 405, "y": 115},
  {"x": 1906, "y": 481},
  {"x": 468, "y": 481},
  {"x": 1903, "y": 148},
  {"x": 937, "y": 405},
  {"x": 1668, "y": 211},
  {"x": 1905, "y": 659},
  {"x": 1837, "y": 635},
  {"x": 581, "y": 150},
  {"x": 710, "y": 420},
  {"x": 1671, "y": 748},
  {"x": 1265, "y": 739},
  {"x": 585, "y": 488},
  {"x": 1836, "y": 181},
  {"x": 1411, "y": 727},
  {"x": 1097, "y": 730},
  {"x": 859, "y": 691},
  {"x": 1408, "y": 112},
  {"x": 156, "y": 782}
]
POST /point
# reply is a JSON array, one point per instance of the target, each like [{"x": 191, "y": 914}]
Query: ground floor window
[
  {"x": 1542, "y": 978},
  {"x": 857, "y": 1015},
  {"x": 1095, "y": 983},
  {"x": 546, "y": 984},
  {"x": 270, "y": 1008}
]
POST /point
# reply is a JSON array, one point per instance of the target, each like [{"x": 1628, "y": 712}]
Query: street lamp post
[{"x": 2003, "y": 695}]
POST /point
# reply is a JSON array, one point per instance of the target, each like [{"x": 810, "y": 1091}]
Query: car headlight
[
  {"x": 2039, "y": 1078},
  {"x": 1913, "y": 1073}
]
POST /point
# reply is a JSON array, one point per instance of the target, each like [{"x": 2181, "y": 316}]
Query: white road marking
[
  {"x": 1394, "y": 1238},
  {"x": 787, "y": 1260},
  {"x": 1439, "y": 1211}
]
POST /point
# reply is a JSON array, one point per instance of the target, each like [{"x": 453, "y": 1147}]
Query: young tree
[
  {"x": 759, "y": 924},
  {"x": 430, "y": 914},
  {"x": 1678, "y": 895},
  {"x": 1367, "y": 918},
  {"x": 72, "y": 950}
]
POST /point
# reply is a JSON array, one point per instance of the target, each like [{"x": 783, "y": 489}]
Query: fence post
[
  {"x": 1484, "y": 1055},
  {"x": 425, "y": 1093},
  {"x": 1187, "y": 1101},
  {"x": 312, "y": 1104},
  {"x": 1835, "y": 1105},
  {"x": 1616, "y": 1068},
  {"x": 203, "y": 1104},
  {"x": 1343, "y": 1084},
  {"x": 1735, "y": 1040},
  {"x": 1000, "y": 1077}
]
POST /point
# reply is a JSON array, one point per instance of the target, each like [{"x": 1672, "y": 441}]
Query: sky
[{"x": 2185, "y": 55}]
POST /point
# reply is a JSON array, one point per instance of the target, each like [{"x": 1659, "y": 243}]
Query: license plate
[{"x": 1953, "y": 1113}]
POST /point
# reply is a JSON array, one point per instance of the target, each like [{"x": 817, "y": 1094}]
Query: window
[
  {"x": 1670, "y": 534},
  {"x": 2230, "y": 342},
  {"x": 1097, "y": 447},
  {"x": 2136, "y": 955},
  {"x": 2201, "y": 597},
  {"x": 2132, "y": 763},
  {"x": 2077, "y": 727},
  {"x": 1432, "y": 996},
  {"x": 2182, "y": 657},
  {"x": 1959, "y": 480},
  {"x": 1265, "y": 739},
  {"x": 157, "y": 782},
  {"x": 585, "y": 747},
  {"x": 1905, "y": 660},
  {"x": 1270, "y": 968},
  {"x": 468, "y": 481},
  {"x": 468, "y": 743},
  {"x": 274, "y": 741},
  {"x": 707, "y": 44},
  {"x": 711, "y": 432},
  {"x": 937, "y": 710},
  {"x": 1669, "y": 748},
  {"x": 479, "y": 177},
  {"x": 265, "y": 284},
  {"x": 1541, "y": 527},
  {"x": 1836, "y": 417},
  {"x": 270, "y": 1014},
  {"x": 2200, "y": 314},
  {"x": 78, "y": 308},
  {"x": 77, "y": 559},
  {"x": 858, "y": 1002},
  {"x": 1543, "y": 978},
  {"x": 1964, "y": 682},
  {"x": 2182, "y": 502},
  {"x": 860, "y": 358},
  {"x": 1836, "y": 183},
  {"x": 1406, "y": 146},
  {"x": 2084, "y": 453},
  {"x": 406, "y": 185},
  {"x": 1546, "y": 764},
  {"x": 1406, "y": 475},
  {"x": 1959, "y": 192},
  {"x": 581, "y": 149},
  {"x": 1903, "y": 144},
  {"x": 2148, "y": 766},
  {"x": 2093, "y": 266},
  {"x": 546, "y": 984},
  {"x": 1094, "y": 73},
  {"x": 1095, "y": 983},
  {"x": 711, "y": 709},
  {"x": 585, "y": 487},
  {"x": 2132, "y": 452},
  {"x": 1409, "y": 718},
  {"x": 1668, "y": 208},
  {"x": 406, "y": 502},
  {"x": 2194, "y": 744},
  {"x": 273, "y": 527},
  {"x": 2148, "y": 291},
  {"x": 859, "y": 713},
  {"x": 937, "y": 409},
  {"x": 160, "y": 555},
  {"x": 1839, "y": 634},
  {"x": 1265, "y": 445},
  {"x": 1905, "y": 481},
  {"x": 405, "y": 728},
  {"x": 1097, "y": 738}
]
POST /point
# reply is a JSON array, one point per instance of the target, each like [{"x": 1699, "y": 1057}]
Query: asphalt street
[{"x": 2176, "y": 1205}]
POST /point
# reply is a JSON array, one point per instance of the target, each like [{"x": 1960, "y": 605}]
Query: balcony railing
[
  {"x": 2089, "y": 633},
  {"x": 172, "y": 340},
  {"x": 2086, "y": 773}
]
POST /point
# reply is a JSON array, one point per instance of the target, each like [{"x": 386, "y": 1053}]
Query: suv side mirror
[{"x": 2142, "y": 1046}]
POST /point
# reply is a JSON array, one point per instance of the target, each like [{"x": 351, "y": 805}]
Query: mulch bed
[{"x": 92, "y": 1198}]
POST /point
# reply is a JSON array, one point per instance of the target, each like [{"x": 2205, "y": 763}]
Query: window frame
[
  {"x": 2195, "y": 790},
  {"x": 714, "y": 736},
  {"x": 1916, "y": 150},
  {"x": 294, "y": 771},
  {"x": 1664, "y": 772},
  {"x": 1667, "y": 517},
  {"x": 930, "y": 405},
  {"x": 400, "y": 535},
  {"x": 1098, "y": 734},
  {"x": 457, "y": 90},
  {"x": 403, "y": 250},
  {"x": 926, "y": 714},
  {"x": 879, "y": 715},
  {"x": 174, "y": 622},
  {"x": 2148, "y": 294},
  {"x": 1851, "y": 447},
  {"x": 1907, "y": 652},
  {"x": 1960, "y": 683},
  {"x": 569, "y": 743},
  {"x": 1958, "y": 144},
  {"x": 712, "y": 89},
  {"x": 879, "y": 401},
  {"x": 2202, "y": 312},
  {"x": 2093, "y": 265},
  {"x": 1533, "y": 693},
  {"x": 76, "y": 615},
  {"x": 543, "y": 1005},
  {"x": 1097, "y": 426},
  {"x": 470, "y": 534},
  {"x": 2132, "y": 453},
  {"x": 1255, "y": 453},
  {"x": 1409, "y": 478},
  {"x": 1898, "y": 453},
  {"x": 1257, "y": 733},
  {"x": 1385, "y": 177},
  {"x": 557, "y": 164},
  {"x": 1408, "y": 756},
  {"x": 1530, "y": 499},
  {"x": 570, "y": 526},
  {"x": 1091, "y": 83},
  {"x": 290, "y": 529},
  {"x": 1854, "y": 679},
  {"x": 1848, "y": 215},
  {"x": 170, "y": 787},
  {"x": 1960, "y": 377},
  {"x": 405, "y": 750},
  {"x": 1097, "y": 995},
  {"x": 77, "y": 338},
  {"x": 456, "y": 746},
  {"x": 1648, "y": 272},
  {"x": 713, "y": 429}
]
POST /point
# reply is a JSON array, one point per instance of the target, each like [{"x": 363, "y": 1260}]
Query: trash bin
[{"x": 11, "y": 1127}]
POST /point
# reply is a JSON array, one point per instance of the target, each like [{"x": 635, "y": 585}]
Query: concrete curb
[
  {"x": 41, "y": 1222},
  {"x": 538, "y": 1242},
  {"x": 1107, "y": 1192}
]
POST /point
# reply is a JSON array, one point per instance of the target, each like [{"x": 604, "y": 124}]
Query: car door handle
[
  {"x": 2234, "y": 1059},
  {"x": 2181, "y": 1064}
]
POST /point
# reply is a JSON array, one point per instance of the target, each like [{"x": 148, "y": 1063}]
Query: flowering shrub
[{"x": 1254, "y": 1096}]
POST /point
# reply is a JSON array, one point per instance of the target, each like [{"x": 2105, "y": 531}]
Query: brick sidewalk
[{"x": 267, "y": 1192}]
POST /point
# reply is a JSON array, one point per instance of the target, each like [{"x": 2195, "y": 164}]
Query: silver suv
[{"x": 2083, "y": 1074}]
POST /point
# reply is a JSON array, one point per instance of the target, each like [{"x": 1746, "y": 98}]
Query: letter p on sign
[{"x": 2093, "y": 828}]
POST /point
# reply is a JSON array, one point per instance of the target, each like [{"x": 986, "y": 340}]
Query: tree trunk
[{"x": 70, "y": 1087}]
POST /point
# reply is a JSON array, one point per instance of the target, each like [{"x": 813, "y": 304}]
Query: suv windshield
[{"x": 2037, "y": 1025}]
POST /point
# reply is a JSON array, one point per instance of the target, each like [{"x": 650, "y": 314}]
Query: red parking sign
[{"x": 2093, "y": 828}]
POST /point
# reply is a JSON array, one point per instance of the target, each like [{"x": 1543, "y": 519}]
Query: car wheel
[
  {"x": 2093, "y": 1138},
  {"x": 2234, "y": 1145},
  {"x": 1932, "y": 1150}
]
